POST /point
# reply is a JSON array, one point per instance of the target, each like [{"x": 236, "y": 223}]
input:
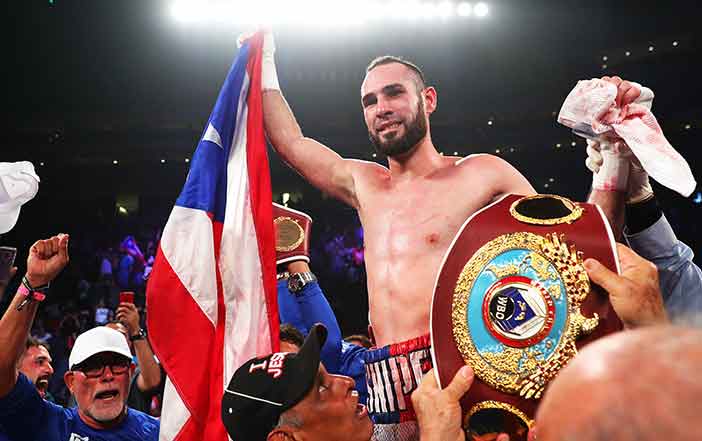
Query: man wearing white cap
[
  {"x": 18, "y": 185},
  {"x": 99, "y": 374}
]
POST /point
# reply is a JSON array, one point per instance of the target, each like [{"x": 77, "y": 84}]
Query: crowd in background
[{"x": 89, "y": 296}]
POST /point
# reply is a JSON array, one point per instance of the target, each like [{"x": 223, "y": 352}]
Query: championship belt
[
  {"x": 292, "y": 234},
  {"x": 513, "y": 301}
]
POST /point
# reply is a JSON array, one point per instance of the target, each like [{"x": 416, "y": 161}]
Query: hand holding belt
[{"x": 292, "y": 234}]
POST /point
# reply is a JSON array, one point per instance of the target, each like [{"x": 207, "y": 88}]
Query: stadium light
[
  {"x": 186, "y": 11},
  {"x": 481, "y": 10},
  {"x": 318, "y": 12},
  {"x": 464, "y": 9},
  {"x": 445, "y": 9},
  {"x": 429, "y": 10}
]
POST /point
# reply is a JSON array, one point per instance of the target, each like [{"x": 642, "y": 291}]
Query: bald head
[{"x": 633, "y": 386}]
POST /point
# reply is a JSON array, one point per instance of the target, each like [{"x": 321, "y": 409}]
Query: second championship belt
[{"x": 513, "y": 301}]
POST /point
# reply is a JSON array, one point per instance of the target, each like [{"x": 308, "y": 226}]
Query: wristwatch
[
  {"x": 140, "y": 336},
  {"x": 297, "y": 281}
]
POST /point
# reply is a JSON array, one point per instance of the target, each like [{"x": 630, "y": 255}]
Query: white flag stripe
[
  {"x": 190, "y": 231},
  {"x": 174, "y": 414},
  {"x": 245, "y": 335}
]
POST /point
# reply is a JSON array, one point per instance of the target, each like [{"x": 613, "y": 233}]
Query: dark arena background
[{"x": 109, "y": 98}]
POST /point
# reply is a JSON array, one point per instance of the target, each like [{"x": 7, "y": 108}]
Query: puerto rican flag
[{"x": 211, "y": 298}]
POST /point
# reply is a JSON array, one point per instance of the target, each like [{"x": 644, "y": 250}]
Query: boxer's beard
[{"x": 392, "y": 145}]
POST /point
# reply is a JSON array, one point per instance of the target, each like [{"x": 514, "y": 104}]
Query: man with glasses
[{"x": 100, "y": 370}]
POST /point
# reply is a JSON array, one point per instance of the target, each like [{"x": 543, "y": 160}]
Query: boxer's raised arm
[{"x": 320, "y": 165}]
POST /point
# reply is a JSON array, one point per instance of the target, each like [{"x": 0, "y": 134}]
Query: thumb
[
  {"x": 602, "y": 276},
  {"x": 63, "y": 246},
  {"x": 592, "y": 145},
  {"x": 461, "y": 383}
]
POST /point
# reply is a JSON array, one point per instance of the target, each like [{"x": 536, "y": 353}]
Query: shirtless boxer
[{"x": 410, "y": 211}]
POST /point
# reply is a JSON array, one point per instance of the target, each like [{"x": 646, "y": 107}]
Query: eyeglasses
[{"x": 95, "y": 368}]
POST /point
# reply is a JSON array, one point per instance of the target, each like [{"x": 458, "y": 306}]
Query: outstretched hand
[
  {"x": 128, "y": 314},
  {"x": 635, "y": 294},
  {"x": 47, "y": 258},
  {"x": 438, "y": 410}
]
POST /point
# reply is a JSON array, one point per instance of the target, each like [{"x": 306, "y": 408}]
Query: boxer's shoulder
[
  {"x": 491, "y": 169},
  {"x": 367, "y": 170},
  {"x": 479, "y": 160}
]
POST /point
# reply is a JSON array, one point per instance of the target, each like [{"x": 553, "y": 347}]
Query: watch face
[{"x": 295, "y": 283}]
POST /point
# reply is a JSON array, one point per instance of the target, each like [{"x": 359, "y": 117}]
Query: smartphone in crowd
[
  {"x": 7, "y": 260},
  {"x": 126, "y": 297}
]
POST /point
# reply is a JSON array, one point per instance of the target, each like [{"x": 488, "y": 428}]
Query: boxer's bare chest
[
  {"x": 407, "y": 229},
  {"x": 418, "y": 217}
]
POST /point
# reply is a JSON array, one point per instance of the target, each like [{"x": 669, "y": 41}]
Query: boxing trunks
[{"x": 393, "y": 372}]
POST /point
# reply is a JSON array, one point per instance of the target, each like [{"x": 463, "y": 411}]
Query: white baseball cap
[
  {"x": 19, "y": 183},
  {"x": 95, "y": 341}
]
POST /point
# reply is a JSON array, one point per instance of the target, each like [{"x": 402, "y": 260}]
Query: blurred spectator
[
  {"x": 105, "y": 265},
  {"x": 130, "y": 274},
  {"x": 100, "y": 369},
  {"x": 61, "y": 345},
  {"x": 148, "y": 377},
  {"x": 40, "y": 333},
  {"x": 35, "y": 364},
  {"x": 102, "y": 314}
]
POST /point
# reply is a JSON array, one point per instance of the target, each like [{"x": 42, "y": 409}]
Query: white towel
[{"x": 591, "y": 111}]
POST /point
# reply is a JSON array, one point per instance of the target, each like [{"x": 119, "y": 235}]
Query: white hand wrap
[
  {"x": 639, "y": 188},
  {"x": 613, "y": 171},
  {"x": 269, "y": 75}
]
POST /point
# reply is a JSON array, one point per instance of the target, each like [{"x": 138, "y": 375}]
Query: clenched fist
[{"x": 47, "y": 258}]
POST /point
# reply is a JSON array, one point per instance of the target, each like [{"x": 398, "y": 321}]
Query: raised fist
[{"x": 47, "y": 258}]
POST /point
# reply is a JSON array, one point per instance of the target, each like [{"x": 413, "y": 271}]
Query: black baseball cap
[{"x": 265, "y": 387}]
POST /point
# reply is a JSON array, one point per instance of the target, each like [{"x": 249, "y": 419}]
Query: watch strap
[
  {"x": 297, "y": 281},
  {"x": 140, "y": 336}
]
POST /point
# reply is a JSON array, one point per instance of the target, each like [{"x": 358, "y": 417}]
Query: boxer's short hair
[{"x": 389, "y": 59}]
